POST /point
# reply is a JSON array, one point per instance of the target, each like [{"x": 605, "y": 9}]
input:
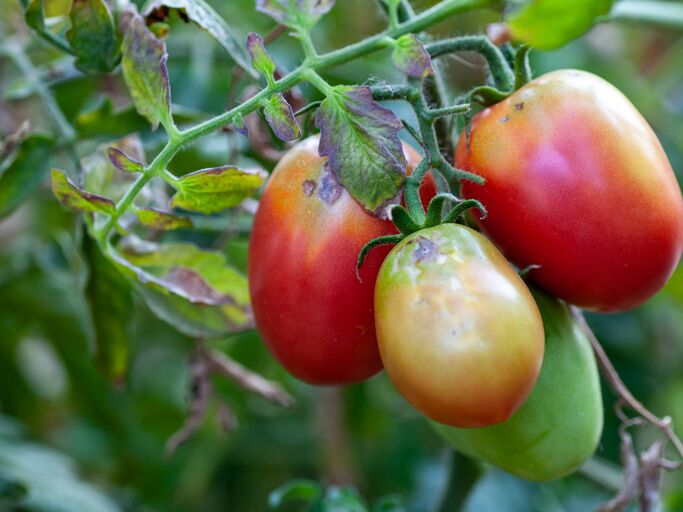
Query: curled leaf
[
  {"x": 123, "y": 162},
  {"x": 216, "y": 189},
  {"x": 156, "y": 219},
  {"x": 77, "y": 199},
  {"x": 360, "y": 139},
  {"x": 260, "y": 58},
  {"x": 280, "y": 118},
  {"x": 411, "y": 57},
  {"x": 145, "y": 72}
]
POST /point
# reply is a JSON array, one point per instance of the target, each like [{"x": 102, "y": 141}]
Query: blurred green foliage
[{"x": 364, "y": 435}]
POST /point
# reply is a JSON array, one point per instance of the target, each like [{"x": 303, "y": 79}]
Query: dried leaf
[{"x": 77, "y": 199}]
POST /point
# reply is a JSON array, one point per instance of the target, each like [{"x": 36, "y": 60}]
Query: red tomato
[
  {"x": 577, "y": 182},
  {"x": 310, "y": 309}
]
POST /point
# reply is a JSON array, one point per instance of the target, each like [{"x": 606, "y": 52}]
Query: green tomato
[{"x": 559, "y": 425}]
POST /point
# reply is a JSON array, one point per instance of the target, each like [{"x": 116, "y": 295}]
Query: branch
[
  {"x": 221, "y": 364},
  {"x": 614, "y": 380}
]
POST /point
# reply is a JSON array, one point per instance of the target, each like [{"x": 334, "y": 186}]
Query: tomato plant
[
  {"x": 559, "y": 426},
  {"x": 313, "y": 313},
  {"x": 459, "y": 333},
  {"x": 578, "y": 184}
]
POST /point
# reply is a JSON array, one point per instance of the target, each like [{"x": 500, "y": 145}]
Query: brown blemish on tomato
[
  {"x": 504, "y": 119},
  {"x": 330, "y": 190},
  {"x": 308, "y": 187},
  {"x": 519, "y": 106},
  {"x": 425, "y": 250}
]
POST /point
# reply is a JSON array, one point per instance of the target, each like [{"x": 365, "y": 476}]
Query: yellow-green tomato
[
  {"x": 459, "y": 332},
  {"x": 559, "y": 426}
]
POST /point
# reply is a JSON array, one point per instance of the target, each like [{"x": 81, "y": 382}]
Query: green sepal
[{"x": 375, "y": 242}]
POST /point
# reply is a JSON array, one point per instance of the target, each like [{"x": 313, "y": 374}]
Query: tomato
[
  {"x": 311, "y": 310},
  {"x": 459, "y": 333},
  {"x": 577, "y": 182},
  {"x": 559, "y": 426}
]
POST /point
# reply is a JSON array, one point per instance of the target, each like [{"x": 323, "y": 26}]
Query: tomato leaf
[
  {"x": 28, "y": 164},
  {"x": 34, "y": 15},
  {"x": 93, "y": 37},
  {"x": 194, "y": 290},
  {"x": 280, "y": 118},
  {"x": 123, "y": 162},
  {"x": 203, "y": 15},
  {"x": 145, "y": 72},
  {"x": 260, "y": 58},
  {"x": 295, "y": 13},
  {"x": 360, "y": 138},
  {"x": 77, "y": 199},
  {"x": 155, "y": 219},
  {"x": 111, "y": 305},
  {"x": 299, "y": 490},
  {"x": 549, "y": 24},
  {"x": 411, "y": 57},
  {"x": 216, "y": 189}
]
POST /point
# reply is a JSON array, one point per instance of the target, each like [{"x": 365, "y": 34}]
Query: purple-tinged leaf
[
  {"x": 216, "y": 189},
  {"x": 360, "y": 139},
  {"x": 194, "y": 290},
  {"x": 280, "y": 118},
  {"x": 203, "y": 15},
  {"x": 411, "y": 57},
  {"x": 260, "y": 58},
  {"x": 93, "y": 37},
  {"x": 145, "y": 72},
  {"x": 156, "y": 219},
  {"x": 77, "y": 199},
  {"x": 123, "y": 162},
  {"x": 295, "y": 13},
  {"x": 240, "y": 126}
]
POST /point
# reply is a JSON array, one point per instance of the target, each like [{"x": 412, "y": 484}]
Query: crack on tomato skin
[
  {"x": 426, "y": 250},
  {"x": 330, "y": 189},
  {"x": 308, "y": 187}
]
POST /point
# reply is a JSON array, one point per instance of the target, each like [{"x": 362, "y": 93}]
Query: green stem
[
  {"x": 522, "y": 68},
  {"x": 502, "y": 74},
  {"x": 463, "y": 475},
  {"x": 15, "y": 52},
  {"x": 412, "y": 191},
  {"x": 307, "y": 71}
]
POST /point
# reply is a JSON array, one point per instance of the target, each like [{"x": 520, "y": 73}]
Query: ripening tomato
[
  {"x": 311, "y": 310},
  {"x": 459, "y": 333},
  {"x": 559, "y": 425},
  {"x": 577, "y": 182}
]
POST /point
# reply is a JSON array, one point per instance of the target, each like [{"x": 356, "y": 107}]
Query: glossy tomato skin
[
  {"x": 559, "y": 426},
  {"x": 459, "y": 333},
  {"x": 577, "y": 182},
  {"x": 311, "y": 310}
]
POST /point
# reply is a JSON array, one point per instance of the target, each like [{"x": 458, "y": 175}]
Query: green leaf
[
  {"x": 298, "y": 14},
  {"x": 360, "y": 139},
  {"x": 194, "y": 290},
  {"x": 302, "y": 491},
  {"x": 28, "y": 165},
  {"x": 101, "y": 174},
  {"x": 155, "y": 219},
  {"x": 92, "y": 36},
  {"x": 145, "y": 72},
  {"x": 77, "y": 199},
  {"x": 280, "y": 118},
  {"x": 549, "y": 24},
  {"x": 111, "y": 307},
  {"x": 123, "y": 162},
  {"x": 216, "y": 189},
  {"x": 411, "y": 57},
  {"x": 203, "y": 15},
  {"x": 37, "y": 478},
  {"x": 260, "y": 58}
]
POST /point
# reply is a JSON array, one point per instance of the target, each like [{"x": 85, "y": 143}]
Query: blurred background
[{"x": 80, "y": 437}]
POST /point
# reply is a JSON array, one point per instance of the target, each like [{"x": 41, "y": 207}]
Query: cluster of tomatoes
[{"x": 577, "y": 188}]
